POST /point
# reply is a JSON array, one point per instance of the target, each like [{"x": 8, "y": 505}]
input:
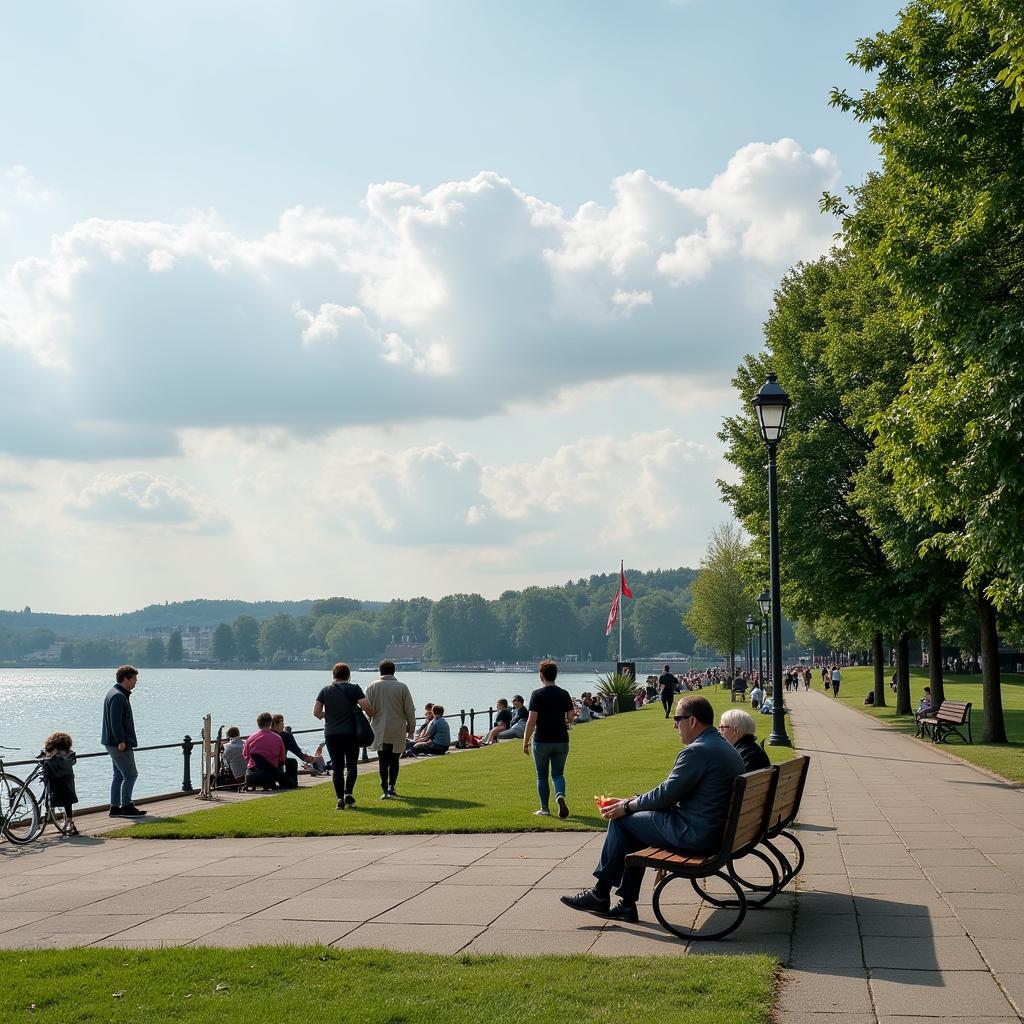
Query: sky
[{"x": 391, "y": 298}]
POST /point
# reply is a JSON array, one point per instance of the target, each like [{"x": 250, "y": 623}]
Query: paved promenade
[{"x": 910, "y": 907}]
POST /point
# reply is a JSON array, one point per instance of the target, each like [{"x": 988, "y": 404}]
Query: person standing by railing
[{"x": 119, "y": 738}]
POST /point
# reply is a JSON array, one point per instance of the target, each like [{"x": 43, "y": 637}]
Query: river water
[{"x": 170, "y": 703}]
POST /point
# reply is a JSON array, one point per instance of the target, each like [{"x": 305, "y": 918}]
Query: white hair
[{"x": 743, "y": 723}]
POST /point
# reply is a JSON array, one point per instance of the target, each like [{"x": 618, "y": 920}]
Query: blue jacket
[
  {"x": 690, "y": 806},
  {"x": 118, "y": 721}
]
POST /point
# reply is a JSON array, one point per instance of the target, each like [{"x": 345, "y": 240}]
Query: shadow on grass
[{"x": 412, "y": 806}]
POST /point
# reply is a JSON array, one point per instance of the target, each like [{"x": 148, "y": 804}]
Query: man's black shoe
[
  {"x": 623, "y": 911},
  {"x": 588, "y": 902},
  {"x": 115, "y": 812},
  {"x": 131, "y": 811}
]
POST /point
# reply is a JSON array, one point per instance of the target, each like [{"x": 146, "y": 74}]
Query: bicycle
[{"x": 20, "y": 818}]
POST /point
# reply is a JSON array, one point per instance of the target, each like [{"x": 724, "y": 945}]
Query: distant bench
[{"x": 952, "y": 716}]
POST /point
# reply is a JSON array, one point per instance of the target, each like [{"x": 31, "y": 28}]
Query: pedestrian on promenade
[
  {"x": 837, "y": 678},
  {"x": 393, "y": 718},
  {"x": 667, "y": 689},
  {"x": 59, "y": 770},
  {"x": 336, "y": 704},
  {"x": 118, "y": 737},
  {"x": 552, "y": 711},
  {"x": 686, "y": 813}
]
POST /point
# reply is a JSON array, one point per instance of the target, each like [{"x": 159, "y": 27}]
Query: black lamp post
[
  {"x": 750, "y": 643},
  {"x": 772, "y": 404},
  {"x": 764, "y": 604}
]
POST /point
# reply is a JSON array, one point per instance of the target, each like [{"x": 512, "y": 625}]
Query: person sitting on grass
[
  {"x": 466, "y": 740},
  {"x": 427, "y": 717},
  {"x": 266, "y": 757},
  {"x": 234, "y": 760},
  {"x": 686, "y": 813},
  {"x": 741, "y": 731},
  {"x": 59, "y": 770},
  {"x": 502, "y": 721},
  {"x": 437, "y": 737},
  {"x": 517, "y": 727}
]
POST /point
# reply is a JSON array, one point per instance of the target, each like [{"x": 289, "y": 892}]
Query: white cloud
[
  {"x": 17, "y": 185},
  {"x": 141, "y": 499},
  {"x": 449, "y": 303}
]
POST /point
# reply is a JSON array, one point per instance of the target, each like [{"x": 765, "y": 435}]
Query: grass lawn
[
  {"x": 1005, "y": 759},
  {"x": 259, "y": 985},
  {"x": 487, "y": 790}
]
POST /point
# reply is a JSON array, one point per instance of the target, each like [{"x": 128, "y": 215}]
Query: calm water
[{"x": 168, "y": 703}]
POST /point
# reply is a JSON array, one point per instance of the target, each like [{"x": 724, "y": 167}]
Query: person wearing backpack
[{"x": 338, "y": 705}]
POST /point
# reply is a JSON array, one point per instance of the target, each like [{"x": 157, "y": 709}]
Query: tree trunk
[
  {"x": 903, "y": 675},
  {"x": 878, "y": 656},
  {"x": 935, "y": 653},
  {"x": 991, "y": 694}
]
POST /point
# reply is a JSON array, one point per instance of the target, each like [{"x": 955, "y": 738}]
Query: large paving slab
[{"x": 910, "y": 906}]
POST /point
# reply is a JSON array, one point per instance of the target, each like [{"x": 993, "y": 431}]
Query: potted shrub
[{"x": 620, "y": 687}]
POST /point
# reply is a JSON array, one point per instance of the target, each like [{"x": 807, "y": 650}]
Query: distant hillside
[{"x": 173, "y": 613}]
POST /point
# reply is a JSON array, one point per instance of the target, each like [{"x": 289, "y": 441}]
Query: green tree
[
  {"x": 546, "y": 623},
  {"x": 949, "y": 245},
  {"x": 462, "y": 627},
  {"x": 279, "y": 638},
  {"x": 222, "y": 647},
  {"x": 353, "y": 638},
  {"x": 175, "y": 648},
  {"x": 721, "y": 601},
  {"x": 156, "y": 652},
  {"x": 247, "y": 634},
  {"x": 658, "y": 626}
]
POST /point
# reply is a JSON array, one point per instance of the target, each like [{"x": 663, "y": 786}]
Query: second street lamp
[
  {"x": 750, "y": 643},
  {"x": 772, "y": 404},
  {"x": 764, "y": 604}
]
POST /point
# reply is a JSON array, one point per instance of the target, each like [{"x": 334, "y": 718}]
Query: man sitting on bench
[{"x": 685, "y": 813}]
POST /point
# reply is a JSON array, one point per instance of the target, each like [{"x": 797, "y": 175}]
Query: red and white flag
[
  {"x": 613, "y": 615},
  {"x": 623, "y": 585}
]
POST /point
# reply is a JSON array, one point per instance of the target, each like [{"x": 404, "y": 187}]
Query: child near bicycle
[{"x": 59, "y": 769}]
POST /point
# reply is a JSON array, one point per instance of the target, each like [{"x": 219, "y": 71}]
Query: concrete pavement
[{"x": 910, "y": 906}]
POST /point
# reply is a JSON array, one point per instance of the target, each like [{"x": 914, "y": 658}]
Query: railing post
[
  {"x": 462, "y": 713},
  {"x": 472, "y": 720},
  {"x": 490, "y": 719},
  {"x": 186, "y": 778}
]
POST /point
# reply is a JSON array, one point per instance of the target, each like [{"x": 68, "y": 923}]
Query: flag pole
[{"x": 622, "y": 604}]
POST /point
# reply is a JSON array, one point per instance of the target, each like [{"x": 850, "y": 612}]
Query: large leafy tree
[
  {"x": 721, "y": 600},
  {"x": 949, "y": 244}
]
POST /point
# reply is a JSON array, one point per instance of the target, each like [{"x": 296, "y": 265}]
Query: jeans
[
  {"x": 125, "y": 774},
  {"x": 627, "y": 835},
  {"x": 553, "y": 756},
  {"x": 344, "y": 751}
]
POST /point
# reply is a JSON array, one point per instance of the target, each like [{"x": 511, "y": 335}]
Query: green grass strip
[
  {"x": 487, "y": 790},
  {"x": 1003, "y": 759},
  {"x": 262, "y": 984}
]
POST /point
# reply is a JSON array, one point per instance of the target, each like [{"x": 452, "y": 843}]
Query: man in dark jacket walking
[{"x": 120, "y": 740}]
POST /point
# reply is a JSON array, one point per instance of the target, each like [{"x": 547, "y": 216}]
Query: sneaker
[
  {"x": 385, "y": 796},
  {"x": 623, "y": 911},
  {"x": 114, "y": 812},
  {"x": 340, "y": 805},
  {"x": 587, "y": 901},
  {"x": 392, "y": 793},
  {"x": 131, "y": 811},
  {"x": 543, "y": 813},
  {"x": 563, "y": 807},
  {"x": 350, "y": 800}
]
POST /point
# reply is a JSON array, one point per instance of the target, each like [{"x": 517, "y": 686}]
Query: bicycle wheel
[{"x": 19, "y": 810}]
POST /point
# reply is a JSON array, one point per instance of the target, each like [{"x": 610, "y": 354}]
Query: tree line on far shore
[{"x": 460, "y": 628}]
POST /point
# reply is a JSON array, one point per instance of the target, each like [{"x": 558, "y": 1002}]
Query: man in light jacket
[
  {"x": 393, "y": 719},
  {"x": 686, "y": 812}
]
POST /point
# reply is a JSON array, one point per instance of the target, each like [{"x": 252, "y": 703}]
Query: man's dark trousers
[
  {"x": 627, "y": 835},
  {"x": 666, "y": 702}
]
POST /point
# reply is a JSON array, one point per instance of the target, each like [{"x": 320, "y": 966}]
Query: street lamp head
[
  {"x": 750, "y": 624},
  {"x": 764, "y": 602},
  {"x": 771, "y": 404}
]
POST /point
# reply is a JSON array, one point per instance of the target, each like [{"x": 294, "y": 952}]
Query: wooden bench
[
  {"x": 952, "y": 716},
  {"x": 750, "y": 807}
]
